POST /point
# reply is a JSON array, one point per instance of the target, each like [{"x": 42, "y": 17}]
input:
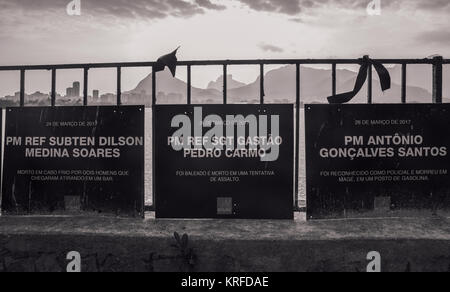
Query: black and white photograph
[{"x": 224, "y": 144}]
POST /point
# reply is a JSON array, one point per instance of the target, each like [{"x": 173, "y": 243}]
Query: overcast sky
[{"x": 40, "y": 31}]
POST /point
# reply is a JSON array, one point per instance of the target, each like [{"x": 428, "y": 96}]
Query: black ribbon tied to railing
[
  {"x": 169, "y": 60},
  {"x": 383, "y": 73}
]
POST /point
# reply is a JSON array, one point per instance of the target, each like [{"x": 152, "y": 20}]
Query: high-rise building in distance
[
  {"x": 73, "y": 91},
  {"x": 76, "y": 89}
]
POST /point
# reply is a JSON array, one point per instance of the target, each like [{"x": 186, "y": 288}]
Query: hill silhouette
[{"x": 280, "y": 87}]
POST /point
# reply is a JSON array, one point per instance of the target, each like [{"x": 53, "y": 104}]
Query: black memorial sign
[
  {"x": 377, "y": 160},
  {"x": 224, "y": 161},
  {"x": 74, "y": 159}
]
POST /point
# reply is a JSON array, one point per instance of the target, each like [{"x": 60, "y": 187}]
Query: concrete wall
[
  {"x": 47, "y": 253},
  {"x": 114, "y": 244}
]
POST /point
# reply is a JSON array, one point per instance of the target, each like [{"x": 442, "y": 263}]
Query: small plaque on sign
[
  {"x": 72, "y": 203},
  {"x": 382, "y": 204},
  {"x": 224, "y": 206}
]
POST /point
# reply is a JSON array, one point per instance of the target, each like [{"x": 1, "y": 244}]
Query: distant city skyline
[
  {"x": 73, "y": 91},
  {"x": 72, "y": 95}
]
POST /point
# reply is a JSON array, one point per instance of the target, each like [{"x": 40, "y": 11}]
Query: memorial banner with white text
[
  {"x": 377, "y": 160},
  {"x": 74, "y": 160},
  {"x": 224, "y": 161}
]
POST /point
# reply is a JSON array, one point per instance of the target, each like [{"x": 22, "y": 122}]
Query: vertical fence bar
[
  {"x": 369, "y": 85},
  {"x": 189, "y": 84},
  {"x": 119, "y": 86},
  {"x": 225, "y": 85},
  {"x": 261, "y": 83},
  {"x": 404, "y": 82},
  {"x": 85, "y": 86},
  {"x": 333, "y": 79},
  {"x": 153, "y": 86},
  {"x": 22, "y": 88},
  {"x": 53, "y": 97},
  {"x": 154, "y": 100},
  {"x": 297, "y": 137},
  {"x": 437, "y": 79}
]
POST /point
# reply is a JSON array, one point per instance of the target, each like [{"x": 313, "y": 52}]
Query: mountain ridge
[{"x": 280, "y": 87}]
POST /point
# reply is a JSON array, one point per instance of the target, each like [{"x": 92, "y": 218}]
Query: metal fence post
[
  {"x": 404, "y": 82},
  {"x": 119, "y": 86},
  {"x": 53, "y": 97},
  {"x": 261, "y": 83},
  {"x": 437, "y": 79},
  {"x": 153, "y": 86},
  {"x": 297, "y": 137},
  {"x": 189, "y": 84},
  {"x": 154, "y": 100},
  {"x": 333, "y": 79},
  {"x": 225, "y": 85},
  {"x": 22, "y": 87},
  {"x": 370, "y": 84},
  {"x": 85, "y": 86}
]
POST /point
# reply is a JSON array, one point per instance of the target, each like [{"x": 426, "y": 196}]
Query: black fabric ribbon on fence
[
  {"x": 383, "y": 73},
  {"x": 169, "y": 60}
]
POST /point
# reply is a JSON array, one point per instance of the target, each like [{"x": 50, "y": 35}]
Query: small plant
[{"x": 187, "y": 254}]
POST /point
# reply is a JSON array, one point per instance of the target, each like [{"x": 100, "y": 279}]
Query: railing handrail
[{"x": 429, "y": 61}]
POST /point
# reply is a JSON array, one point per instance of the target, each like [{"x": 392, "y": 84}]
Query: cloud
[
  {"x": 147, "y": 9},
  {"x": 270, "y": 48},
  {"x": 209, "y": 5},
  {"x": 435, "y": 37},
  {"x": 158, "y": 9},
  {"x": 290, "y": 7},
  {"x": 295, "y": 7},
  {"x": 297, "y": 20},
  {"x": 433, "y": 4}
]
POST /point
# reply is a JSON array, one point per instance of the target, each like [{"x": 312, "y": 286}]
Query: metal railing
[{"x": 437, "y": 88}]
